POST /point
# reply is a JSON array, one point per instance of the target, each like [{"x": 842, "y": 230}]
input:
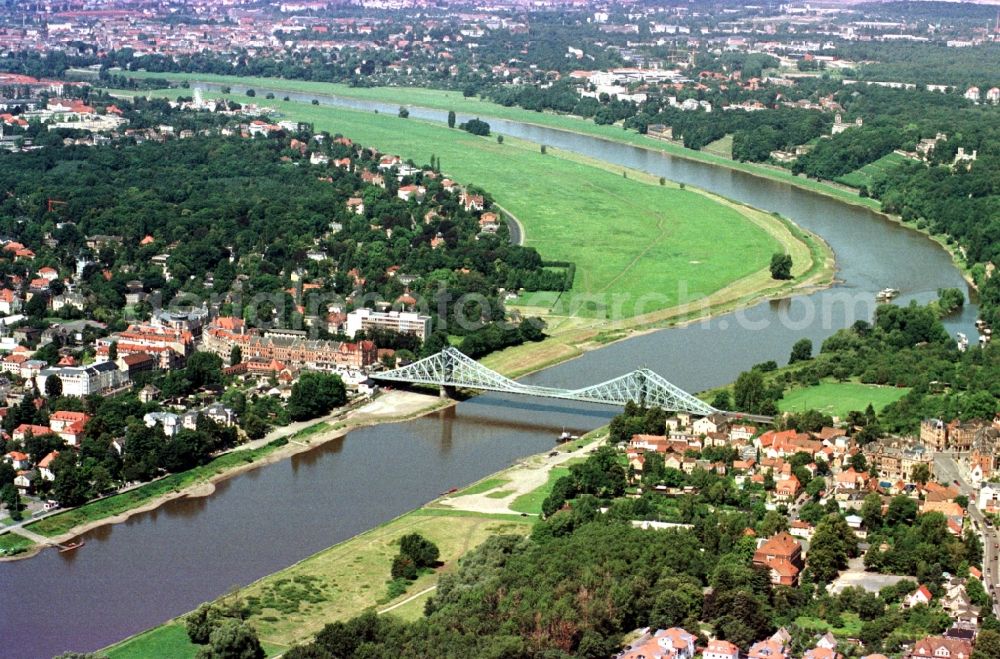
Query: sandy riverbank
[{"x": 390, "y": 407}]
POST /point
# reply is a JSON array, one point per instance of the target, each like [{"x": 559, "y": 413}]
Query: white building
[
  {"x": 404, "y": 322},
  {"x": 83, "y": 381}
]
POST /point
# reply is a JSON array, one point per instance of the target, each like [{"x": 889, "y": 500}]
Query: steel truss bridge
[{"x": 451, "y": 369}]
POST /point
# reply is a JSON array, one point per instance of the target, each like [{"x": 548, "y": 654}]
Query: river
[{"x": 163, "y": 563}]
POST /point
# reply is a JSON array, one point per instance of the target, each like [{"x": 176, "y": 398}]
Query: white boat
[
  {"x": 887, "y": 294},
  {"x": 566, "y": 436},
  {"x": 963, "y": 341}
]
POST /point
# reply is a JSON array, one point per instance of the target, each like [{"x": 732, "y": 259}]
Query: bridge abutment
[{"x": 447, "y": 391}]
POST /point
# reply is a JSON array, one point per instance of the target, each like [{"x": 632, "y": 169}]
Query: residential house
[
  {"x": 772, "y": 648},
  {"x": 787, "y": 489},
  {"x": 673, "y": 643},
  {"x": 26, "y": 429},
  {"x": 782, "y": 556},
  {"x": 719, "y": 649},
  {"x": 18, "y": 460},
  {"x": 822, "y": 653},
  {"x": 940, "y": 647},
  {"x": 69, "y": 425},
  {"x": 45, "y": 466},
  {"x": 920, "y": 596},
  {"x": 25, "y": 482}
]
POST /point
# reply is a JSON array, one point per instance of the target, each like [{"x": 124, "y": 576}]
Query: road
[{"x": 948, "y": 470}]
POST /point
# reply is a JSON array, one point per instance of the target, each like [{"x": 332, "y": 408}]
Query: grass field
[
  {"x": 851, "y": 628},
  {"x": 721, "y": 147},
  {"x": 484, "y": 486},
  {"x": 13, "y": 543},
  {"x": 531, "y": 502},
  {"x": 454, "y": 100},
  {"x": 639, "y": 247},
  {"x": 865, "y": 175},
  {"x": 839, "y": 398},
  {"x": 290, "y": 606}
]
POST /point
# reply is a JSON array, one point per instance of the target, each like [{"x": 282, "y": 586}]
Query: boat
[
  {"x": 887, "y": 294},
  {"x": 566, "y": 436},
  {"x": 963, "y": 341},
  {"x": 71, "y": 546},
  {"x": 451, "y": 491}
]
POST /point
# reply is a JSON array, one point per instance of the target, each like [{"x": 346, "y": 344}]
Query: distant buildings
[{"x": 782, "y": 556}]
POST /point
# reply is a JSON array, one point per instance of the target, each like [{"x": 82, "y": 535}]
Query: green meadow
[
  {"x": 637, "y": 244},
  {"x": 839, "y": 398},
  {"x": 454, "y": 100}
]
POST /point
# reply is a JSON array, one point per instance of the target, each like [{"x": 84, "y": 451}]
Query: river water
[{"x": 160, "y": 564}]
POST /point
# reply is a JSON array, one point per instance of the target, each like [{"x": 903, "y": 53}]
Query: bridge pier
[{"x": 447, "y": 391}]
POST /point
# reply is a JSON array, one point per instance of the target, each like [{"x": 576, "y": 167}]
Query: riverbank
[
  {"x": 389, "y": 407},
  {"x": 290, "y": 606}
]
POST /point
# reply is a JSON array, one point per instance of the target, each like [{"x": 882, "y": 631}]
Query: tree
[
  {"x": 801, "y": 351},
  {"x": 499, "y": 139},
  {"x": 70, "y": 487},
  {"x": 921, "y": 473},
  {"x": 423, "y": 552},
  {"x": 987, "y": 645},
  {"x": 781, "y": 266},
  {"x": 451, "y": 118},
  {"x": 232, "y": 639},
  {"x": 204, "y": 369},
  {"x": 251, "y": 93},
  {"x": 722, "y": 400},
  {"x": 11, "y": 498},
  {"x": 113, "y": 351},
  {"x": 749, "y": 392},
  {"x": 315, "y": 394},
  {"x": 53, "y": 386},
  {"x": 201, "y": 622},
  {"x": 833, "y": 543},
  {"x": 403, "y": 112},
  {"x": 235, "y": 355},
  {"x": 476, "y": 127}
]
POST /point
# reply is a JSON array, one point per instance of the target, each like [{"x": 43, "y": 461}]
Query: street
[{"x": 949, "y": 471}]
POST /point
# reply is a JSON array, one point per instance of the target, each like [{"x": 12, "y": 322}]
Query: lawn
[
  {"x": 721, "y": 147},
  {"x": 850, "y": 629},
  {"x": 454, "y": 100},
  {"x": 12, "y": 543},
  {"x": 169, "y": 640},
  {"x": 865, "y": 175},
  {"x": 531, "y": 502},
  {"x": 839, "y": 398},
  {"x": 484, "y": 486},
  {"x": 347, "y": 578}
]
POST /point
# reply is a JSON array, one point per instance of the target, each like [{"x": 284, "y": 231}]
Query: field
[
  {"x": 531, "y": 502},
  {"x": 13, "y": 543},
  {"x": 454, "y": 100},
  {"x": 865, "y": 175},
  {"x": 839, "y": 398},
  {"x": 639, "y": 246},
  {"x": 290, "y": 606},
  {"x": 721, "y": 147}
]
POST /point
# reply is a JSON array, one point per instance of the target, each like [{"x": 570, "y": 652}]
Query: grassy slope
[
  {"x": 13, "y": 543},
  {"x": 445, "y": 100},
  {"x": 350, "y": 577},
  {"x": 865, "y": 175},
  {"x": 839, "y": 398},
  {"x": 626, "y": 236}
]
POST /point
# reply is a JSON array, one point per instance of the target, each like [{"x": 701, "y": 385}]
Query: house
[
  {"x": 25, "y": 429},
  {"x": 782, "y": 555},
  {"x": 69, "y": 425},
  {"x": 45, "y": 466},
  {"x": 148, "y": 393},
  {"x": 787, "y": 489},
  {"x": 718, "y": 649},
  {"x": 220, "y": 414},
  {"x": 940, "y": 647},
  {"x": 822, "y": 653},
  {"x": 772, "y": 648},
  {"x": 170, "y": 422},
  {"x": 673, "y": 643},
  {"x": 18, "y": 460},
  {"x": 920, "y": 596},
  {"x": 828, "y": 641},
  {"x": 25, "y": 482}
]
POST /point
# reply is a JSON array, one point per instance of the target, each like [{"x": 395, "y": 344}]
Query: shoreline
[{"x": 207, "y": 487}]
